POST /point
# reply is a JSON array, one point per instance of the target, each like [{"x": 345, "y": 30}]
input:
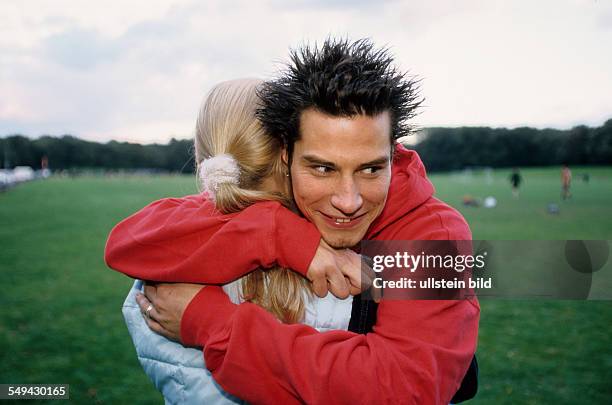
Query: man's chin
[{"x": 342, "y": 241}]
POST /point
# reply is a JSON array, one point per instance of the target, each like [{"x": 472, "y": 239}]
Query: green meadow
[{"x": 60, "y": 318}]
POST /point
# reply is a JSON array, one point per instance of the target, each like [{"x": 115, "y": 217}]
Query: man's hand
[
  {"x": 162, "y": 306},
  {"x": 336, "y": 271}
]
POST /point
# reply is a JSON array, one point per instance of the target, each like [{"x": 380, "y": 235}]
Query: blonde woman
[{"x": 238, "y": 165}]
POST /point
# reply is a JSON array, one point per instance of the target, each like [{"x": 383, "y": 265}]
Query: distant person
[
  {"x": 515, "y": 180},
  {"x": 470, "y": 201},
  {"x": 566, "y": 181},
  {"x": 585, "y": 178}
]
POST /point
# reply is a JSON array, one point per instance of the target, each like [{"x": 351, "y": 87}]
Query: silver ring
[{"x": 148, "y": 311}]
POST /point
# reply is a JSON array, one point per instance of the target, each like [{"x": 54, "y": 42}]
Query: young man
[
  {"x": 515, "y": 181},
  {"x": 338, "y": 110},
  {"x": 566, "y": 181}
]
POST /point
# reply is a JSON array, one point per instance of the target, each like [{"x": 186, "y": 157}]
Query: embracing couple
[{"x": 295, "y": 173}]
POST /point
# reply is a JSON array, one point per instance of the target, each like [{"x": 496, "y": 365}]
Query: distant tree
[
  {"x": 19, "y": 151},
  {"x": 575, "y": 151},
  {"x": 180, "y": 156},
  {"x": 455, "y": 148},
  {"x": 600, "y": 145}
]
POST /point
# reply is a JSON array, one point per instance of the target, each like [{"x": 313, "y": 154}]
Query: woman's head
[
  {"x": 227, "y": 125},
  {"x": 238, "y": 165}
]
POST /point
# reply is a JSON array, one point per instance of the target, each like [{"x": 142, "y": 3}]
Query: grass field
[{"x": 60, "y": 319}]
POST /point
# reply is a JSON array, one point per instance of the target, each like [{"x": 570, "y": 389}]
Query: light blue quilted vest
[{"x": 179, "y": 372}]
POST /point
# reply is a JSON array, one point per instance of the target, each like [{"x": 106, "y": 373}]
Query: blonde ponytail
[{"x": 228, "y": 129}]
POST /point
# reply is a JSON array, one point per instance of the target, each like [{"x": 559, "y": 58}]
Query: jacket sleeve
[
  {"x": 418, "y": 352},
  {"x": 187, "y": 240}
]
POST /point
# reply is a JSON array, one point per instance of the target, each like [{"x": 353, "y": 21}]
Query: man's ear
[{"x": 285, "y": 156}]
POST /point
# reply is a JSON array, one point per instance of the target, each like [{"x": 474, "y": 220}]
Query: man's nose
[{"x": 347, "y": 196}]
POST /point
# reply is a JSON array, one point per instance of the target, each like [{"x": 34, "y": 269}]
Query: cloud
[
  {"x": 329, "y": 4},
  {"x": 80, "y": 48},
  {"x": 138, "y": 70}
]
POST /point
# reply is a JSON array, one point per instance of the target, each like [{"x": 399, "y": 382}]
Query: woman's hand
[{"x": 163, "y": 304}]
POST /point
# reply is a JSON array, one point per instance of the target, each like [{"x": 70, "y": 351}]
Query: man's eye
[
  {"x": 371, "y": 170},
  {"x": 322, "y": 169}
]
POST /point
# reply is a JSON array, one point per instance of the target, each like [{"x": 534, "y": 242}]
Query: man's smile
[{"x": 342, "y": 222}]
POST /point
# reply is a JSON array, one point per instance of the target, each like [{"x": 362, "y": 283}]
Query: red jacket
[{"x": 418, "y": 352}]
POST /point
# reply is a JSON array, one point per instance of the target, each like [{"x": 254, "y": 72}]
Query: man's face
[{"x": 340, "y": 173}]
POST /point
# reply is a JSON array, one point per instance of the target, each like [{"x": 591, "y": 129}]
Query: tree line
[
  {"x": 442, "y": 149},
  {"x": 68, "y": 152}
]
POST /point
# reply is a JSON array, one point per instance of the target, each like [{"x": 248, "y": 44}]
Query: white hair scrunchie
[{"x": 218, "y": 170}]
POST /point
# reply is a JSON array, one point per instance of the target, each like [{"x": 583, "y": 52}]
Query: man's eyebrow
[
  {"x": 376, "y": 162},
  {"x": 317, "y": 160},
  {"x": 312, "y": 159}
]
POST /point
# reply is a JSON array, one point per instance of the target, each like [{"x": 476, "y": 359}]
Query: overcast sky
[{"x": 137, "y": 70}]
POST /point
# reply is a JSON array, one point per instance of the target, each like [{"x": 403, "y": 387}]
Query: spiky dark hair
[{"x": 340, "y": 78}]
